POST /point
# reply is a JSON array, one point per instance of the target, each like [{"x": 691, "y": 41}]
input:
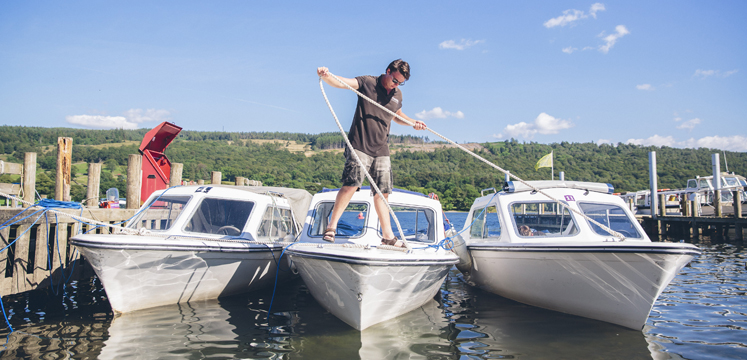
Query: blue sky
[{"x": 644, "y": 72}]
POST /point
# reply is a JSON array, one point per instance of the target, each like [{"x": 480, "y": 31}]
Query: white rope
[
  {"x": 360, "y": 163},
  {"x": 604, "y": 227}
]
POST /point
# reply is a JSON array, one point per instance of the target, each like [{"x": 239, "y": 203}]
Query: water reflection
[
  {"x": 490, "y": 326},
  {"x": 703, "y": 312}
]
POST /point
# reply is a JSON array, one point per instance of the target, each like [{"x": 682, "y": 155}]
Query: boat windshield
[
  {"x": 352, "y": 223},
  {"x": 418, "y": 224},
  {"x": 485, "y": 224},
  {"x": 220, "y": 216},
  {"x": 160, "y": 213},
  {"x": 611, "y": 216},
  {"x": 731, "y": 181},
  {"x": 542, "y": 219},
  {"x": 277, "y": 223}
]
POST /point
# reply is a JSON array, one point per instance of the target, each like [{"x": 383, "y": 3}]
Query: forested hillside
[{"x": 454, "y": 175}]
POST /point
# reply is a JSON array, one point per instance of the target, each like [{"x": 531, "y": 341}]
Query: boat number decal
[
  {"x": 203, "y": 189},
  {"x": 569, "y": 198}
]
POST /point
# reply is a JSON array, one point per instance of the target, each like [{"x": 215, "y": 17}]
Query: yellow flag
[{"x": 545, "y": 161}]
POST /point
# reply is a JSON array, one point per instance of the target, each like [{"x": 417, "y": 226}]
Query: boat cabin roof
[
  {"x": 515, "y": 186},
  {"x": 520, "y": 215},
  {"x": 421, "y": 218}
]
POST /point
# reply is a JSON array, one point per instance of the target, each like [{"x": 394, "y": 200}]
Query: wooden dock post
[
  {"x": 94, "y": 185},
  {"x": 175, "y": 178},
  {"x": 240, "y": 181},
  {"x": 200, "y": 182},
  {"x": 215, "y": 177},
  {"x": 29, "y": 177},
  {"x": 717, "y": 203},
  {"x": 737, "y": 204},
  {"x": 134, "y": 178},
  {"x": 64, "y": 166}
]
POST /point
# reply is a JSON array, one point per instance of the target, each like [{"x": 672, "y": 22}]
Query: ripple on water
[{"x": 703, "y": 312}]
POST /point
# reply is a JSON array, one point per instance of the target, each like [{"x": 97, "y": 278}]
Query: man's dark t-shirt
[{"x": 370, "y": 130}]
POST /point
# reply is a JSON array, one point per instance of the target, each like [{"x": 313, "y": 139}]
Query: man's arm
[
  {"x": 419, "y": 125},
  {"x": 324, "y": 73}
]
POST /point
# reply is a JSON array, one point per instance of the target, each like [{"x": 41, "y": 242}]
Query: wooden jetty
[
  {"x": 38, "y": 251},
  {"x": 695, "y": 220}
]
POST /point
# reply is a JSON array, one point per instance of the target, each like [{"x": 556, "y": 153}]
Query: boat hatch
[
  {"x": 160, "y": 213},
  {"x": 352, "y": 223},
  {"x": 542, "y": 219},
  {"x": 612, "y": 216}
]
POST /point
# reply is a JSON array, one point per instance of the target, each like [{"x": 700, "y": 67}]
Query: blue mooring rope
[{"x": 45, "y": 205}]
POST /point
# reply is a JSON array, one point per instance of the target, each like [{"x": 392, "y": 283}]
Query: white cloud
[
  {"x": 101, "y": 122},
  {"x": 707, "y": 73},
  {"x": 704, "y": 73},
  {"x": 129, "y": 121},
  {"x": 689, "y": 124},
  {"x": 594, "y": 8},
  {"x": 461, "y": 45},
  {"x": 438, "y": 113},
  {"x": 569, "y": 50},
  {"x": 730, "y": 72},
  {"x": 544, "y": 124},
  {"x": 730, "y": 143},
  {"x": 655, "y": 140},
  {"x": 611, "y": 39},
  {"x": 572, "y": 15},
  {"x": 604, "y": 141},
  {"x": 646, "y": 87}
]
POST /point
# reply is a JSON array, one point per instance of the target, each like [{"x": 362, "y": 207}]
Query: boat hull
[
  {"x": 366, "y": 287},
  {"x": 137, "y": 275},
  {"x": 615, "y": 284}
]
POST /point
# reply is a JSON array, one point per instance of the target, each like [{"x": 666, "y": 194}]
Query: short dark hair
[{"x": 400, "y": 65}]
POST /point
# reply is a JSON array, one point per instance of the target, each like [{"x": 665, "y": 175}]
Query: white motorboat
[
  {"x": 357, "y": 279},
  {"x": 196, "y": 242},
  {"x": 529, "y": 248}
]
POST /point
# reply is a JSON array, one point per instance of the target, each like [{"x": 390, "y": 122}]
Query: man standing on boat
[{"x": 369, "y": 136}]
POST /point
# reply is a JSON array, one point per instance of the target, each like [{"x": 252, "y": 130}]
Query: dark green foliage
[{"x": 454, "y": 175}]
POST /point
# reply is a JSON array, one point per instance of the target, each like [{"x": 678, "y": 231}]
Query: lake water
[{"x": 702, "y": 314}]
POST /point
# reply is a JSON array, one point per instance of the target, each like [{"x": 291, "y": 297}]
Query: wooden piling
[
  {"x": 240, "y": 181},
  {"x": 737, "y": 204},
  {"x": 64, "y": 167},
  {"x": 134, "y": 178},
  {"x": 29, "y": 177},
  {"x": 94, "y": 185},
  {"x": 200, "y": 182},
  {"x": 717, "y": 203},
  {"x": 215, "y": 177},
  {"x": 176, "y": 174}
]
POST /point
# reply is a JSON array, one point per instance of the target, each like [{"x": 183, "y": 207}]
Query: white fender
[{"x": 459, "y": 247}]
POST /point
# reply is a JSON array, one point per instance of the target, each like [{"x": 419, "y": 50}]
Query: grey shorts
[{"x": 380, "y": 169}]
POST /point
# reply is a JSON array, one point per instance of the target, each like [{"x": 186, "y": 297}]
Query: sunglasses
[{"x": 397, "y": 82}]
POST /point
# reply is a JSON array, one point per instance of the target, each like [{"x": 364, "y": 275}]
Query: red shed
[{"x": 156, "y": 166}]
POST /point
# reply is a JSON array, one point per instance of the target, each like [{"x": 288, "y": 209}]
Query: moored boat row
[{"x": 201, "y": 242}]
